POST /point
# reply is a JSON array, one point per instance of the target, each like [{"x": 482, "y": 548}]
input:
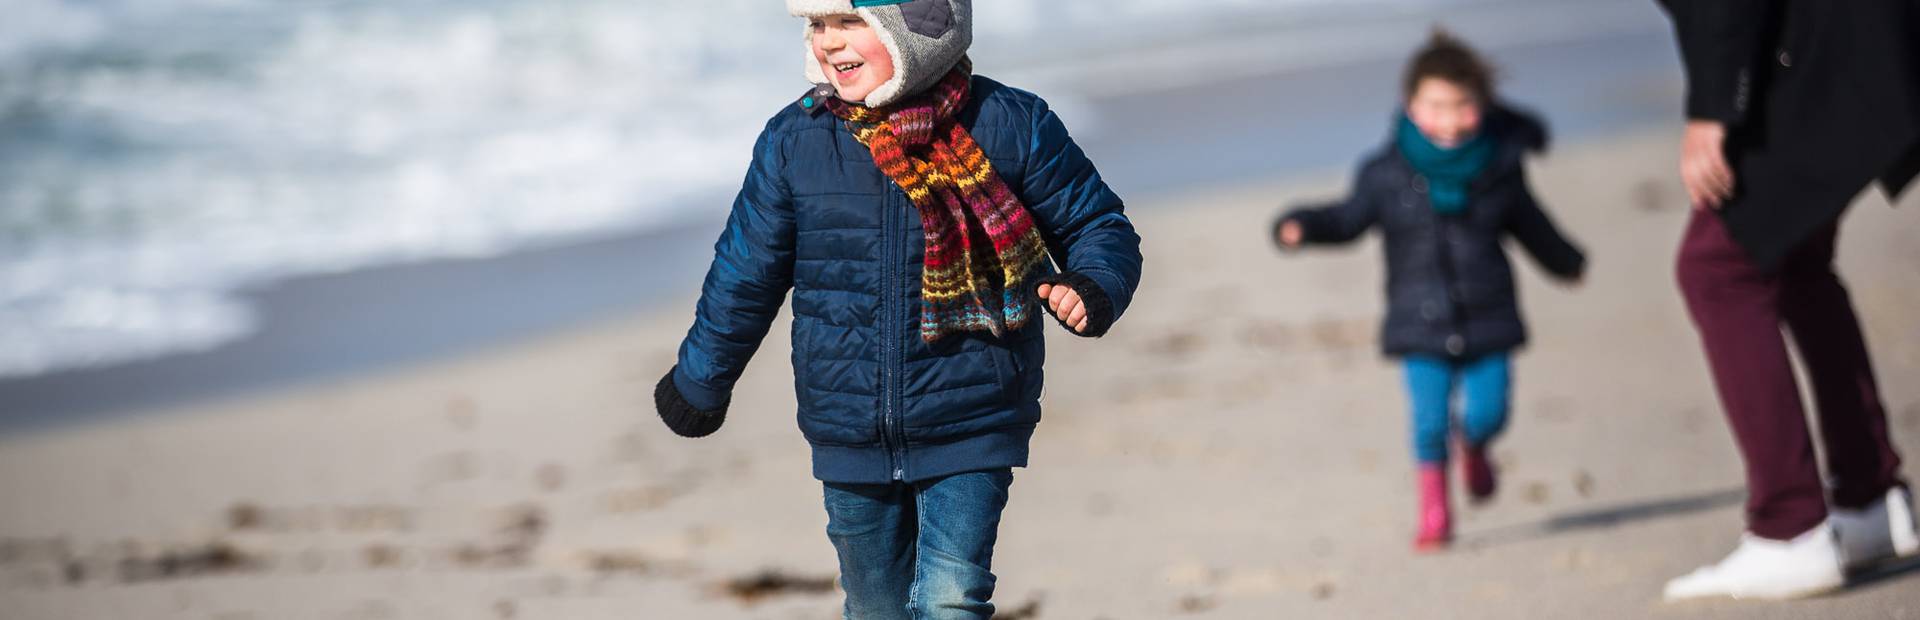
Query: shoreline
[
  {"x": 1235, "y": 449},
  {"x": 322, "y": 329}
]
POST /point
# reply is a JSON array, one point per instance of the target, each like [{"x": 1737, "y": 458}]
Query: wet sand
[{"x": 1235, "y": 449}]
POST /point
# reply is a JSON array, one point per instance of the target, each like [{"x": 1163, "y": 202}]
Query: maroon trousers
[{"x": 1739, "y": 311}]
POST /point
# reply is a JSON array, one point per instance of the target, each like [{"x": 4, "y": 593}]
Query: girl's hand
[
  {"x": 1290, "y": 234},
  {"x": 1065, "y": 304}
]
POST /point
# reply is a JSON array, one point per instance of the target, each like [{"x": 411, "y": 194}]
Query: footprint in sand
[
  {"x": 1693, "y": 420},
  {"x": 462, "y": 413},
  {"x": 520, "y": 531},
  {"x": 243, "y": 516},
  {"x": 18, "y": 551},
  {"x": 1099, "y": 505},
  {"x": 1196, "y": 603},
  {"x": 1176, "y": 345},
  {"x": 373, "y": 518},
  {"x": 448, "y": 468},
  {"x": 1324, "y": 335},
  {"x": 1321, "y": 547},
  {"x": 628, "y": 501},
  {"x": 1553, "y": 409},
  {"x": 1269, "y": 335},
  {"x": 772, "y": 582},
  {"x": 1535, "y": 492},
  {"x": 630, "y": 447},
  {"x": 213, "y": 558},
  {"x": 1188, "y": 575},
  {"x": 383, "y": 556},
  {"x": 625, "y": 562},
  {"x": 550, "y": 477},
  {"x": 1029, "y": 610},
  {"x": 250, "y": 517},
  {"x": 1653, "y": 196}
]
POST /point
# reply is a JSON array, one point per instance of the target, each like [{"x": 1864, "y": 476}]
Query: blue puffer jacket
[
  {"x": 1450, "y": 288},
  {"x": 875, "y": 401}
]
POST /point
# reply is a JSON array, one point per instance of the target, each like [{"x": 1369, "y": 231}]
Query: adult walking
[{"x": 1793, "y": 107}]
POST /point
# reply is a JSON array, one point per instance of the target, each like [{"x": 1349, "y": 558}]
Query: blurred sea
[{"x": 167, "y": 166}]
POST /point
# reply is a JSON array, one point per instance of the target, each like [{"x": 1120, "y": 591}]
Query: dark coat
[
  {"x": 1820, "y": 98},
  {"x": 1450, "y": 288},
  {"x": 875, "y": 401}
]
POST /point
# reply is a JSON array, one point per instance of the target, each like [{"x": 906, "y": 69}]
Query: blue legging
[{"x": 1483, "y": 381}]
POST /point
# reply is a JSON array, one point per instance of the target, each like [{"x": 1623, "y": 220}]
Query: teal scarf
[{"x": 1448, "y": 171}]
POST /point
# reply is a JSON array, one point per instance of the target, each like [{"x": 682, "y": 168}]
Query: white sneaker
[
  {"x": 1808, "y": 565},
  {"x": 1882, "y": 530}
]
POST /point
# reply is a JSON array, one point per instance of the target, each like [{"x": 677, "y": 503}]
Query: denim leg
[
  {"x": 1486, "y": 385},
  {"x": 959, "y": 521},
  {"x": 1430, "y": 392},
  {"x": 872, "y": 527}
]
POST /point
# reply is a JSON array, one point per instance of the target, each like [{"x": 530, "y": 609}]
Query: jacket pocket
[
  {"x": 829, "y": 412},
  {"x": 1006, "y": 368},
  {"x": 801, "y": 363}
]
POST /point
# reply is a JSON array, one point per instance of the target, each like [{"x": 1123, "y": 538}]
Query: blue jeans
[
  {"x": 919, "y": 550},
  {"x": 1483, "y": 382}
]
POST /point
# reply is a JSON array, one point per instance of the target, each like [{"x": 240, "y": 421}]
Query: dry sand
[{"x": 1236, "y": 449}]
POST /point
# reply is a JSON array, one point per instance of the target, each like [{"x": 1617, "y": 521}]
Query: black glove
[
  {"x": 1099, "y": 308},
  {"x": 681, "y": 416}
]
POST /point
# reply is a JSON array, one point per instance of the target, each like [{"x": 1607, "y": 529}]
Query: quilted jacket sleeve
[
  {"x": 1536, "y": 232},
  {"x": 1337, "y": 222},
  {"x": 1084, "y": 222},
  {"x": 744, "y": 288}
]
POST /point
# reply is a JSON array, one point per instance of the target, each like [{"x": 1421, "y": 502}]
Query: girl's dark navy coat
[
  {"x": 875, "y": 401},
  {"x": 1450, "y": 288}
]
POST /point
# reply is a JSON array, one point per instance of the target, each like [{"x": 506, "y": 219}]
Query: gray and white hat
[{"x": 925, "y": 37}]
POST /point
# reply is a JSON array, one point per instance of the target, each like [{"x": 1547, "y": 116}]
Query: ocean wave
[{"x": 159, "y": 156}]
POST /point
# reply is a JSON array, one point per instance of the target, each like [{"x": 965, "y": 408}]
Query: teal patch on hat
[{"x": 861, "y": 4}]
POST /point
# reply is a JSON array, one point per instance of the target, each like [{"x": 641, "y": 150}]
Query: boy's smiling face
[
  {"x": 850, "y": 54},
  {"x": 1446, "y": 113}
]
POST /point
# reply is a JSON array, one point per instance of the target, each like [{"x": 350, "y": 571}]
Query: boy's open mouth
[{"x": 847, "y": 69}]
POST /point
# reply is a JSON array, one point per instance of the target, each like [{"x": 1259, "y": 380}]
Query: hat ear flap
[
  {"x": 815, "y": 75},
  {"x": 894, "y": 88}
]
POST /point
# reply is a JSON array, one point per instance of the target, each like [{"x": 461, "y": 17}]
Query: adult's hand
[{"x": 1703, "y": 164}]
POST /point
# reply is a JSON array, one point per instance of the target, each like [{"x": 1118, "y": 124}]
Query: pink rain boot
[
  {"x": 1478, "y": 470},
  {"x": 1436, "y": 524}
]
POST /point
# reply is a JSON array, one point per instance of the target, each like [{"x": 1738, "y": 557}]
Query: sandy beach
[{"x": 1235, "y": 449}]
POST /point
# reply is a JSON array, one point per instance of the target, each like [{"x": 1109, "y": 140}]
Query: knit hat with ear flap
[{"x": 925, "y": 37}]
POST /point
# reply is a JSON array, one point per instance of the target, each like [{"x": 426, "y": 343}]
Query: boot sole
[{"x": 1804, "y": 593}]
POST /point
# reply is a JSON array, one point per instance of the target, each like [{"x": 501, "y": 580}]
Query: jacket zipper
[{"x": 889, "y": 422}]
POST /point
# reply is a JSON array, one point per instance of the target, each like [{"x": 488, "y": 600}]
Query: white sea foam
[{"x": 158, "y": 155}]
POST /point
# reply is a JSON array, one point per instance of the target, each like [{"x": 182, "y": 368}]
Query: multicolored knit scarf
[{"x": 967, "y": 283}]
